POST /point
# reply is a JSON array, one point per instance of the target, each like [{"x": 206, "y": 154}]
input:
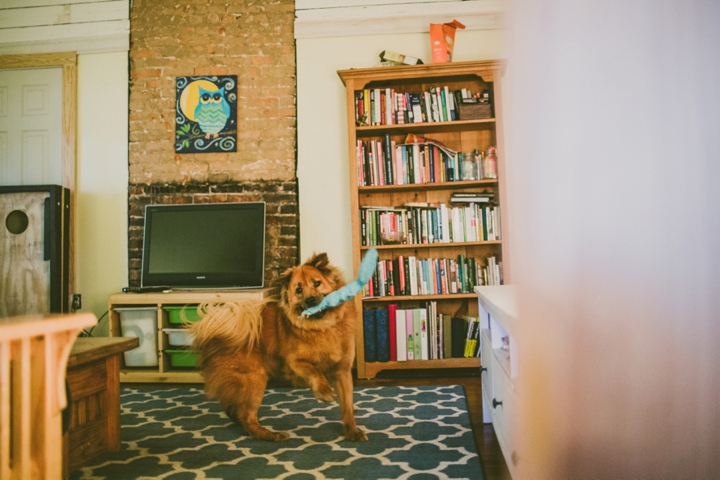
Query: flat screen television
[{"x": 206, "y": 245}]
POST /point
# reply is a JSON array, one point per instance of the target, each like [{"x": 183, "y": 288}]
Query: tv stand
[{"x": 164, "y": 372}]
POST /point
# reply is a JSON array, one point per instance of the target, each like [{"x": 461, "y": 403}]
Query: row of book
[
  {"x": 385, "y": 162},
  {"x": 410, "y": 275},
  {"x": 430, "y": 223},
  {"x": 394, "y": 334},
  {"x": 385, "y": 106}
]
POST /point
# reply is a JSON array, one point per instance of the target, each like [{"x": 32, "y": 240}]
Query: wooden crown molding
[{"x": 397, "y": 18}]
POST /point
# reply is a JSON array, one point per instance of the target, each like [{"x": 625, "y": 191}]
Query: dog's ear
[{"x": 319, "y": 261}]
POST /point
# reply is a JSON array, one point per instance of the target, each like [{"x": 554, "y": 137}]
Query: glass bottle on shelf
[
  {"x": 468, "y": 166},
  {"x": 490, "y": 163},
  {"x": 479, "y": 174}
]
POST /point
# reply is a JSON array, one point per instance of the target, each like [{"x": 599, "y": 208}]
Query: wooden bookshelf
[{"x": 461, "y": 135}]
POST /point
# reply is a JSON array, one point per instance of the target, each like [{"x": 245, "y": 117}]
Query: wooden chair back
[{"x": 34, "y": 352}]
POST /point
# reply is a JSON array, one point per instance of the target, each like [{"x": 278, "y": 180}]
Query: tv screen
[{"x": 212, "y": 245}]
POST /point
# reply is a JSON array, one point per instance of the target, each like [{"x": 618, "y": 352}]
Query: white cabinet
[{"x": 499, "y": 371}]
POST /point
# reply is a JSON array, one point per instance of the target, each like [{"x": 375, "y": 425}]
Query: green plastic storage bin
[
  {"x": 175, "y": 313},
  {"x": 182, "y": 358}
]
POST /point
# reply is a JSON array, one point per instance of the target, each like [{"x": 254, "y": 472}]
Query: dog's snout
[{"x": 311, "y": 301}]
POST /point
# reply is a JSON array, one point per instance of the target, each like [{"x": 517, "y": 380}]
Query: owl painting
[
  {"x": 206, "y": 119},
  {"x": 212, "y": 112}
]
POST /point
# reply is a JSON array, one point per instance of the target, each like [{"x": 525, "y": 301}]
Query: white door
[{"x": 31, "y": 126}]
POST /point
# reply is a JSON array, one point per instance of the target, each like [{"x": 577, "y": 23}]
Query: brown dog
[{"x": 242, "y": 345}]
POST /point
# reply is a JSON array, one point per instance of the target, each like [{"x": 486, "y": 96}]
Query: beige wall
[
  {"x": 102, "y": 178},
  {"x": 323, "y": 177}
]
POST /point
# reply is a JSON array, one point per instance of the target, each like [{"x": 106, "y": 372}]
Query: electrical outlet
[{"x": 76, "y": 303}]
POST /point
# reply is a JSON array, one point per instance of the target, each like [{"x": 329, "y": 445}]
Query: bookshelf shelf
[
  {"x": 458, "y": 135},
  {"x": 373, "y": 368},
  {"x": 453, "y": 126},
  {"x": 416, "y": 246},
  {"x": 420, "y": 187},
  {"x": 408, "y": 298}
]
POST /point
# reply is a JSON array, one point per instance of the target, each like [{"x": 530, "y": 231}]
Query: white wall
[
  {"x": 323, "y": 164},
  {"x": 614, "y": 122},
  {"x": 102, "y": 179}
]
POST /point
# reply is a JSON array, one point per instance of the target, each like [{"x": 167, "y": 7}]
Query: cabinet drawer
[
  {"x": 485, "y": 359},
  {"x": 504, "y": 412}
]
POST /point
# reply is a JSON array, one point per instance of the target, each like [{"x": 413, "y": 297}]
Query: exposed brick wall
[
  {"x": 281, "y": 250},
  {"x": 251, "y": 39}
]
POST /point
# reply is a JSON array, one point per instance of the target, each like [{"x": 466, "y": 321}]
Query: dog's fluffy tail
[{"x": 227, "y": 325}]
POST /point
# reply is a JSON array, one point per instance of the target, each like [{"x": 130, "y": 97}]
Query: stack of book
[
  {"x": 425, "y": 223},
  {"x": 472, "y": 197},
  {"x": 409, "y": 275},
  {"x": 386, "y": 106},
  {"x": 384, "y": 162},
  {"x": 492, "y": 273},
  {"x": 393, "y": 334}
]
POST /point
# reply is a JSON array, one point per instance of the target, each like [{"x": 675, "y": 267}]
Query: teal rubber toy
[{"x": 365, "y": 273}]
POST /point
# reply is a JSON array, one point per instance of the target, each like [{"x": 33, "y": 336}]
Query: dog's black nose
[{"x": 311, "y": 301}]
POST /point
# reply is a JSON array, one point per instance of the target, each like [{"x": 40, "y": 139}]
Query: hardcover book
[
  {"x": 392, "y": 311},
  {"x": 401, "y": 335},
  {"x": 370, "y": 335},
  {"x": 459, "y": 334},
  {"x": 410, "y": 333},
  {"x": 382, "y": 332}
]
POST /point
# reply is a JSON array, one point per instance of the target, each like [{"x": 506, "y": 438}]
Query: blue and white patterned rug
[{"x": 177, "y": 433}]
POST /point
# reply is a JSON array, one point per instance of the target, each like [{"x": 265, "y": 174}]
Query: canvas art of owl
[{"x": 212, "y": 111}]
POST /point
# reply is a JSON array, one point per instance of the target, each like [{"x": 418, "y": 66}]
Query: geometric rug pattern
[{"x": 419, "y": 432}]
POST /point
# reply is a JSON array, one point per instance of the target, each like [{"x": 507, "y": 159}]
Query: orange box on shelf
[{"x": 442, "y": 40}]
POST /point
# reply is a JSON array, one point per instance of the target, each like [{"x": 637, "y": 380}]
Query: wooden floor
[{"x": 492, "y": 460}]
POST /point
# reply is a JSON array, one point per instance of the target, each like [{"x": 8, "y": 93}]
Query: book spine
[
  {"x": 367, "y": 107},
  {"x": 406, "y": 274},
  {"x": 457, "y": 101},
  {"x": 382, "y": 332},
  {"x": 378, "y": 107},
  {"x": 390, "y": 278},
  {"x": 439, "y": 105},
  {"x": 428, "y": 107},
  {"x": 447, "y": 336},
  {"x": 467, "y": 350},
  {"x": 413, "y": 276},
  {"x": 450, "y": 102},
  {"x": 401, "y": 335},
  {"x": 369, "y": 335},
  {"x": 418, "y": 333},
  {"x": 392, "y": 328},
  {"x": 358, "y": 107},
  {"x": 424, "y": 334},
  {"x": 387, "y": 147},
  {"x": 410, "y": 334},
  {"x": 458, "y": 333}
]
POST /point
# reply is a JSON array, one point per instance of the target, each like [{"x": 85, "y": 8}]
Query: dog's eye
[
  {"x": 316, "y": 283},
  {"x": 298, "y": 290}
]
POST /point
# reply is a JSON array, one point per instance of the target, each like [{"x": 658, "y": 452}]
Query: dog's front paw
[
  {"x": 356, "y": 435},
  {"x": 324, "y": 393}
]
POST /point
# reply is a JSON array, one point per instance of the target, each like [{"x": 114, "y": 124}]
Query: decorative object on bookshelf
[
  {"x": 437, "y": 227},
  {"x": 442, "y": 40},
  {"x": 400, "y": 59}
]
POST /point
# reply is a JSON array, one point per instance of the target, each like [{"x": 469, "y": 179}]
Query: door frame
[{"x": 68, "y": 62}]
